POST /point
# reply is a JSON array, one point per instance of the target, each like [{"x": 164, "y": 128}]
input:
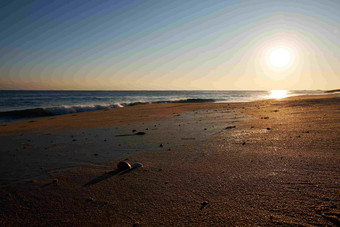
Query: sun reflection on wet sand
[{"x": 278, "y": 94}]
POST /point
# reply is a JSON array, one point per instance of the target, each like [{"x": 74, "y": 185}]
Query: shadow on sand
[{"x": 106, "y": 176}]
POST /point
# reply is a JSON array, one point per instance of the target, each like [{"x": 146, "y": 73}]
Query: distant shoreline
[{"x": 333, "y": 91}]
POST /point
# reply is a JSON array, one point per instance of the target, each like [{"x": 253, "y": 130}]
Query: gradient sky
[{"x": 168, "y": 44}]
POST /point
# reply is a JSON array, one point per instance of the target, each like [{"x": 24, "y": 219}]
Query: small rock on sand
[
  {"x": 137, "y": 165},
  {"x": 204, "y": 204},
  {"x": 140, "y": 133},
  {"x": 137, "y": 224}
]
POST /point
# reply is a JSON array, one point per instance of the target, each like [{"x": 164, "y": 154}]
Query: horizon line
[{"x": 168, "y": 90}]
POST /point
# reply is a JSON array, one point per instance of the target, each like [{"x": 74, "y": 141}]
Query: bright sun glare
[
  {"x": 278, "y": 94},
  {"x": 280, "y": 57}
]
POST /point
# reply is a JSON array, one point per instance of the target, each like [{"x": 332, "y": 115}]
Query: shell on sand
[{"x": 123, "y": 165}]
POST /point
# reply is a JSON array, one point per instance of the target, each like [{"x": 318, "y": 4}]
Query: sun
[
  {"x": 280, "y": 57},
  {"x": 278, "y": 94}
]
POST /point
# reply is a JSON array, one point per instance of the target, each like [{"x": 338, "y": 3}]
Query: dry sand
[{"x": 279, "y": 166}]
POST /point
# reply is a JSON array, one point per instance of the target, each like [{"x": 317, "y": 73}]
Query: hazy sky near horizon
[{"x": 169, "y": 44}]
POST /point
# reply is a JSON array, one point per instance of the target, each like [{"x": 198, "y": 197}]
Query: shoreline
[
  {"x": 74, "y": 121},
  {"x": 49, "y": 111},
  {"x": 279, "y": 165}
]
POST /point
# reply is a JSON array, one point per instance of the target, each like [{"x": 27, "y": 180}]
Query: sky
[{"x": 169, "y": 44}]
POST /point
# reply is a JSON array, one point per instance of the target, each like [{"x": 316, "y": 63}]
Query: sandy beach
[{"x": 263, "y": 163}]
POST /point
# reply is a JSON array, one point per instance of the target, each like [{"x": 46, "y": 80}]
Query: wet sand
[{"x": 278, "y": 166}]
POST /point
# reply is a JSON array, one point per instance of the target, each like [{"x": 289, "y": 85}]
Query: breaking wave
[{"x": 67, "y": 109}]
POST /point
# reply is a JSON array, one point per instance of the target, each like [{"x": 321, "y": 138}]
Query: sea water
[{"x": 21, "y": 104}]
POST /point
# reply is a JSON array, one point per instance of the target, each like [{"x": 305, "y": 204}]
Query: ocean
[{"x": 16, "y": 105}]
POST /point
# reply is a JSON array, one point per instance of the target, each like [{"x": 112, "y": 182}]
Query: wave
[{"x": 67, "y": 109}]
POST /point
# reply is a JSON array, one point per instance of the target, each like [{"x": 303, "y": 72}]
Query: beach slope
[{"x": 273, "y": 162}]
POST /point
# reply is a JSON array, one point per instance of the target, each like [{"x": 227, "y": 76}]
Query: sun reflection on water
[{"x": 278, "y": 94}]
